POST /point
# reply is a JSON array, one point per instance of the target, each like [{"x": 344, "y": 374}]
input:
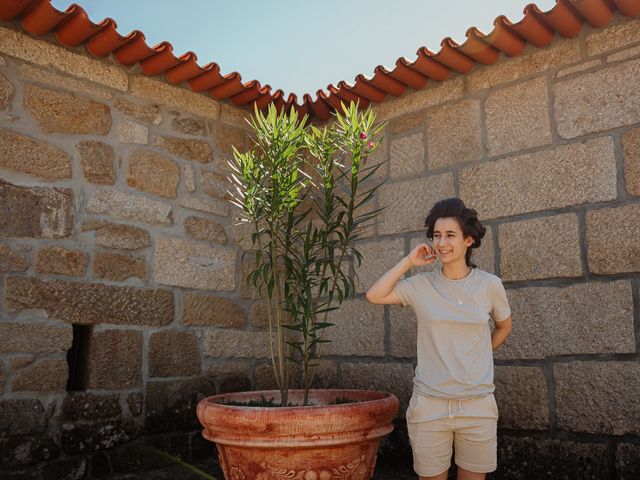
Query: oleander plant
[{"x": 307, "y": 194}]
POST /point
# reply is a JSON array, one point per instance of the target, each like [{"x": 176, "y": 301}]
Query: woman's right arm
[{"x": 382, "y": 293}]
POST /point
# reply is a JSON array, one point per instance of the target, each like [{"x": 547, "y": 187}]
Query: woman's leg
[
  {"x": 475, "y": 447},
  {"x": 432, "y": 445},
  {"x": 462, "y": 474},
  {"x": 440, "y": 476}
]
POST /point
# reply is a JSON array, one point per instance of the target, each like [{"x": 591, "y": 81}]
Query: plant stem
[
  {"x": 324, "y": 319},
  {"x": 270, "y": 318},
  {"x": 281, "y": 363}
]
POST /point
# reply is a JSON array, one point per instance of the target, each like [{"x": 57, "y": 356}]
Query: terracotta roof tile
[
  {"x": 451, "y": 56},
  {"x": 531, "y": 28},
  {"x": 504, "y": 38},
  {"x": 73, "y": 28},
  {"x": 363, "y": 89}
]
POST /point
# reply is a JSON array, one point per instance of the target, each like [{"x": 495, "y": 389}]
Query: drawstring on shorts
[{"x": 460, "y": 411}]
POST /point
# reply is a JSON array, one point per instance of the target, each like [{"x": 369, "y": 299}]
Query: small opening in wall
[{"x": 78, "y": 358}]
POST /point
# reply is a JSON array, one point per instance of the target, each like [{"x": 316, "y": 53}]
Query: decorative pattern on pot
[
  {"x": 236, "y": 474},
  {"x": 355, "y": 470}
]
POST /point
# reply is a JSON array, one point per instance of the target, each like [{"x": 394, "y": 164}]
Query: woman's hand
[
  {"x": 423, "y": 254},
  {"x": 382, "y": 291}
]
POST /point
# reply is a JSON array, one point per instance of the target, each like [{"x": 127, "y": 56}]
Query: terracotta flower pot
[{"x": 318, "y": 442}]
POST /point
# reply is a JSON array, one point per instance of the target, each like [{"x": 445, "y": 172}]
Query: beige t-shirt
[{"x": 455, "y": 359}]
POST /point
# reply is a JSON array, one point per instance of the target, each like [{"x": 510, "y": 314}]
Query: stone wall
[
  {"x": 114, "y": 222},
  {"x": 546, "y": 146}
]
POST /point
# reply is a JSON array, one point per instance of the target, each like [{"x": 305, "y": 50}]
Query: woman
[{"x": 452, "y": 403}]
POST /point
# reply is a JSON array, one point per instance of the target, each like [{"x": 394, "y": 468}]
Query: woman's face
[{"x": 448, "y": 241}]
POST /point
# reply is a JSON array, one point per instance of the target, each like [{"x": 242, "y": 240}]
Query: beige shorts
[{"x": 437, "y": 427}]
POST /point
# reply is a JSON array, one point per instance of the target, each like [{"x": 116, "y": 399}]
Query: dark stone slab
[
  {"x": 88, "y": 303},
  {"x": 171, "y": 406},
  {"x": 35, "y": 212},
  {"x": 21, "y": 417},
  {"x": 87, "y": 438}
]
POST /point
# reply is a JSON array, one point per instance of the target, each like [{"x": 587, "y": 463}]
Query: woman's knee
[{"x": 440, "y": 476}]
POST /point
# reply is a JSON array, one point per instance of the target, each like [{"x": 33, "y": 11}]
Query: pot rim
[
  {"x": 376, "y": 396},
  {"x": 274, "y": 427}
]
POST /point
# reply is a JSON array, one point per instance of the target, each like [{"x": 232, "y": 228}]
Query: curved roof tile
[{"x": 73, "y": 27}]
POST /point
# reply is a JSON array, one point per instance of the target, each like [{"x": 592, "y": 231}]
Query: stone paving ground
[{"x": 210, "y": 470}]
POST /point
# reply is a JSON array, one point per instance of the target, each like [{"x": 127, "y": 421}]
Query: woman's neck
[{"x": 456, "y": 271}]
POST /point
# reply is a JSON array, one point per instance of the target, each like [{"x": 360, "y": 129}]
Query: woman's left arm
[{"x": 501, "y": 332}]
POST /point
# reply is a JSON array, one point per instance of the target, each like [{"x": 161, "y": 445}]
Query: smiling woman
[
  {"x": 302, "y": 47},
  {"x": 452, "y": 402}
]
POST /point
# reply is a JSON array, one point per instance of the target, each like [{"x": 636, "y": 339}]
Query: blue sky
[{"x": 301, "y": 46}]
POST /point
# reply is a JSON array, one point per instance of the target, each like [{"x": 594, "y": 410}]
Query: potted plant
[{"x": 306, "y": 192}]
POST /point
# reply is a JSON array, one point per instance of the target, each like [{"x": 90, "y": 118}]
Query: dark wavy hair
[{"x": 467, "y": 218}]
